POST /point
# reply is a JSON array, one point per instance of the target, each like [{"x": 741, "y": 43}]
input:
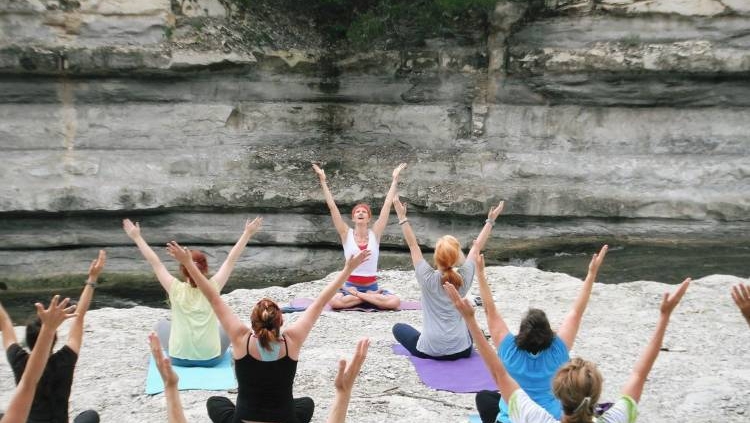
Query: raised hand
[
  {"x": 348, "y": 371},
  {"x": 132, "y": 230},
  {"x": 670, "y": 301},
  {"x": 495, "y": 211},
  {"x": 181, "y": 254},
  {"x": 57, "y": 312},
  {"x": 96, "y": 267},
  {"x": 163, "y": 364},
  {"x": 741, "y": 297},
  {"x": 480, "y": 265},
  {"x": 400, "y": 208},
  {"x": 462, "y": 304},
  {"x": 597, "y": 260},
  {"x": 398, "y": 170},
  {"x": 320, "y": 172},
  {"x": 354, "y": 261},
  {"x": 252, "y": 226}
]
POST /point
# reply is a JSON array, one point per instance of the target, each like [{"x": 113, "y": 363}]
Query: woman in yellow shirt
[{"x": 193, "y": 335}]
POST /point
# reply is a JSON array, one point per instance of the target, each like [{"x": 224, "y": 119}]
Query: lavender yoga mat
[
  {"x": 301, "y": 304},
  {"x": 462, "y": 376}
]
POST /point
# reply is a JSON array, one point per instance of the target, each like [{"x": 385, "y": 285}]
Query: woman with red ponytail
[{"x": 444, "y": 336}]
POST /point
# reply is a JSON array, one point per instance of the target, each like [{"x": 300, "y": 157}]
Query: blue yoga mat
[
  {"x": 474, "y": 418},
  {"x": 217, "y": 378}
]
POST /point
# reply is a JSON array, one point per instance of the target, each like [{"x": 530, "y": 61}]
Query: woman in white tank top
[{"x": 362, "y": 287}]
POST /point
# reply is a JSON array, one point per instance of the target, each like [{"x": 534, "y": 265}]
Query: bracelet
[
  {"x": 491, "y": 222},
  {"x": 91, "y": 284},
  {"x": 401, "y": 222}
]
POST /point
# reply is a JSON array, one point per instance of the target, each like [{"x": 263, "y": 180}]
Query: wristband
[
  {"x": 91, "y": 284},
  {"x": 401, "y": 222},
  {"x": 491, "y": 222}
]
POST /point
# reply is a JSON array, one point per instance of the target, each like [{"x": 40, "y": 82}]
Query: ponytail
[
  {"x": 578, "y": 385},
  {"x": 266, "y": 322},
  {"x": 451, "y": 276},
  {"x": 448, "y": 254}
]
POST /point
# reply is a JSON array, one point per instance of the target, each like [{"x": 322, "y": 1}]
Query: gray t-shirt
[{"x": 444, "y": 330}]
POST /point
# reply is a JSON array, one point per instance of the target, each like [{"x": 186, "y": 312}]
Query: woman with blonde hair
[
  {"x": 444, "y": 335},
  {"x": 265, "y": 358},
  {"x": 578, "y": 384}
]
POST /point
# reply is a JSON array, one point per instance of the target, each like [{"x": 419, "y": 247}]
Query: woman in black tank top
[{"x": 264, "y": 385}]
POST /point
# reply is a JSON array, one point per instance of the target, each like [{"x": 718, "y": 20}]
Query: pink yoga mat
[
  {"x": 462, "y": 376},
  {"x": 300, "y": 304}
]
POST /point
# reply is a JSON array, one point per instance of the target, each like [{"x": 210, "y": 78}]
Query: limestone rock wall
[{"x": 622, "y": 121}]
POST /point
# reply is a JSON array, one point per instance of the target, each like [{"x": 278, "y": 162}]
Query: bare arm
[
  {"x": 379, "y": 226},
  {"x": 299, "y": 330},
  {"x": 497, "y": 326},
  {"x": 572, "y": 322},
  {"x": 6, "y": 325},
  {"x": 162, "y": 274},
  {"x": 75, "y": 337},
  {"x": 338, "y": 221},
  {"x": 345, "y": 381},
  {"x": 741, "y": 297},
  {"x": 251, "y": 227},
  {"x": 409, "y": 237},
  {"x": 634, "y": 386},
  {"x": 232, "y": 324},
  {"x": 504, "y": 381},
  {"x": 175, "y": 414},
  {"x": 52, "y": 317},
  {"x": 485, "y": 233}
]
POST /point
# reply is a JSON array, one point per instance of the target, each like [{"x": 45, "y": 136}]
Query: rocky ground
[{"x": 701, "y": 376}]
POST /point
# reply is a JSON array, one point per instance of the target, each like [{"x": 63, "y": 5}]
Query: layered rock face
[{"x": 619, "y": 121}]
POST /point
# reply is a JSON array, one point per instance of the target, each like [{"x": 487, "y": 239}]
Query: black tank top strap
[{"x": 286, "y": 347}]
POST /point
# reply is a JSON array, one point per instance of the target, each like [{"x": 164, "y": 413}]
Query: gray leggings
[{"x": 164, "y": 326}]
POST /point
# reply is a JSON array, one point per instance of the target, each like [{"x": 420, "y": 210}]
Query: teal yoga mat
[{"x": 217, "y": 378}]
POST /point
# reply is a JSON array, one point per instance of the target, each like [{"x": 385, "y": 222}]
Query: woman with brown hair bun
[
  {"x": 265, "y": 359},
  {"x": 444, "y": 335},
  {"x": 533, "y": 356},
  {"x": 193, "y": 337}
]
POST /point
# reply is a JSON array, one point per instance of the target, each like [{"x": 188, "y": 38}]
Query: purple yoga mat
[
  {"x": 301, "y": 304},
  {"x": 462, "y": 376}
]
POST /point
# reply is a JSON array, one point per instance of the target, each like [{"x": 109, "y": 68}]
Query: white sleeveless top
[{"x": 370, "y": 266}]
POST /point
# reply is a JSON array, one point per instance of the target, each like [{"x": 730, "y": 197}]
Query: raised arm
[
  {"x": 75, "y": 336},
  {"x": 52, "y": 317},
  {"x": 634, "y": 386},
  {"x": 345, "y": 381},
  {"x": 741, "y": 297},
  {"x": 379, "y": 226},
  {"x": 338, "y": 221},
  {"x": 302, "y": 326},
  {"x": 251, "y": 227},
  {"x": 409, "y": 237},
  {"x": 495, "y": 322},
  {"x": 485, "y": 233},
  {"x": 232, "y": 324},
  {"x": 134, "y": 232},
  {"x": 170, "y": 379},
  {"x": 572, "y": 322},
  {"x": 6, "y": 325},
  {"x": 504, "y": 381}
]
